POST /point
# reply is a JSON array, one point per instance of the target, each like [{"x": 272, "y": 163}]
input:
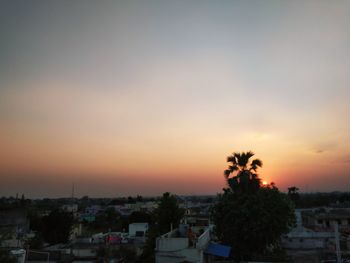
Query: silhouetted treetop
[{"x": 245, "y": 177}]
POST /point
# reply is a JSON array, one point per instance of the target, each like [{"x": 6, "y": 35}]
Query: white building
[
  {"x": 178, "y": 246},
  {"x": 71, "y": 208},
  {"x": 302, "y": 238},
  {"x": 138, "y": 229}
]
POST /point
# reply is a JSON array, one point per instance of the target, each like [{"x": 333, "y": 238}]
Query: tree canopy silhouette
[
  {"x": 6, "y": 257},
  {"x": 249, "y": 216},
  {"x": 57, "y": 226},
  {"x": 294, "y": 194},
  {"x": 245, "y": 179},
  {"x": 168, "y": 213}
]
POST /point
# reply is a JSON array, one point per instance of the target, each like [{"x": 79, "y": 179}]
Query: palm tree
[
  {"x": 245, "y": 177},
  {"x": 293, "y": 190},
  {"x": 294, "y": 194}
]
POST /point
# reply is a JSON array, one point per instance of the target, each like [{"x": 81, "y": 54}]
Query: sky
[{"x": 142, "y": 97}]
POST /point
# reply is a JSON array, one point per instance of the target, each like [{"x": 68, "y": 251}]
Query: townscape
[
  {"x": 174, "y": 131},
  {"x": 173, "y": 228}
]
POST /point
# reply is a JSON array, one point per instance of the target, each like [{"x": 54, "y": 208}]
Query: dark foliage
[
  {"x": 6, "y": 257},
  {"x": 168, "y": 213},
  {"x": 251, "y": 223},
  {"x": 35, "y": 242},
  {"x": 140, "y": 217},
  {"x": 109, "y": 220},
  {"x": 294, "y": 195},
  {"x": 250, "y": 217},
  {"x": 307, "y": 200},
  {"x": 57, "y": 226}
]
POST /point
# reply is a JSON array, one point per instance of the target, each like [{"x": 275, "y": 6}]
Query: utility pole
[{"x": 337, "y": 243}]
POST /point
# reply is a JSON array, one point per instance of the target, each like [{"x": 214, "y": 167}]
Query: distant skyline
[{"x": 142, "y": 97}]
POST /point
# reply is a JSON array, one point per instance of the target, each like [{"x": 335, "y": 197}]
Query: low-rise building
[
  {"x": 71, "y": 208},
  {"x": 183, "y": 244},
  {"x": 324, "y": 219},
  {"x": 314, "y": 237},
  {"x": 138, "y": 229}
]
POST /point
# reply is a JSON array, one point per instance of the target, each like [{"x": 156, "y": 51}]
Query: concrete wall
[
  {"x": 171, "y": 244},
  {"x": 84, "y": 252},
  {"x": 307, "y": 240},
  {"x": 173, "y": 249},
  {"x": 188, "y": 254},
  {"x": 304, "y": 244},
  {"x": 203, "y": 240}
]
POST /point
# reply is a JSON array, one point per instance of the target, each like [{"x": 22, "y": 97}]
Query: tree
[
  {"x": 6, "y": 257},
  {"x": 168, "y": 213},
  {"x": 245, "y": 178},
  {"x": 57, "y": 226},
  {"x": 140, "y": 217},
  {"x": 248, "y": 216},
  {"x": 109, "y": 220},
  {"x": 35, "y": 242},
  {"x": 147, "y": 255},
  {"x": 139, "y": 198},
  {"x": 131, "y": 200},
  {"x": 293, "y": 194}
]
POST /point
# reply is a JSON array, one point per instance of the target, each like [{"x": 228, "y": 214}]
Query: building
[
  {"x": 324, "y": 219},
  {"x": 314, "y": 238},
  {"x": 138, "y": 229},
  {"x": 183, "y": 244},
  {"x": 70, "y": 208}
]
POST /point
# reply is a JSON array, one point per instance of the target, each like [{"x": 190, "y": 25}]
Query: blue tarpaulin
[{"x": 218, "y": 250}]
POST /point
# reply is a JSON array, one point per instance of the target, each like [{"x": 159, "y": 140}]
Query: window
[
  {"x": 328, "y": 224},
  {"x": 320, "y": 221}
]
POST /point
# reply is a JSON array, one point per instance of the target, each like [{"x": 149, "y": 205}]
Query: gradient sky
[{"x": 143, "y": 97}]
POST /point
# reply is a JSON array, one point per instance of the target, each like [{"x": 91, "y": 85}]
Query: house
[
  {"x": 185, "y": 243},
  {"x": 324, "y": 219},
  {"x": 70, "y": 208},
  {"x": 312, "y": 238},
  {"x": 138, "y": 229}
]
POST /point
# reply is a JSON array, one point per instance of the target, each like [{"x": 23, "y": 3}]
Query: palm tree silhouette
[{"x": 245, "y": 178}]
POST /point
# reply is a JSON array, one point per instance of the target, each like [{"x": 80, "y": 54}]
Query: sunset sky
[{"x": 142, "y": 97}]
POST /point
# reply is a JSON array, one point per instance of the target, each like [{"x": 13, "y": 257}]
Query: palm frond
[
  {"x": 233, "y": 168},
  {"x": 249, "y": 154},
  {"x": 243, "y": 159},
  {"x": 231, "y": 159},
  {"x": 236, "y": 154},
  {"x": 257, "y": 163},
  {"x": 227, "y": 173},
  {"x": 253, "y": 167}
]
